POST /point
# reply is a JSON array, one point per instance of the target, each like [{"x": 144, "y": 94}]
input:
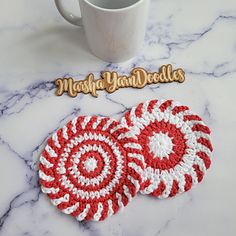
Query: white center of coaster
[
  {"x": 161, "y": 145},
  {"x": 90, "y": 164}
]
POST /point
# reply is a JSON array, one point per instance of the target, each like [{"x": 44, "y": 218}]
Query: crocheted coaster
[
  {"x": 176, "y": 146},
  {"x": 90, "y": 169}
]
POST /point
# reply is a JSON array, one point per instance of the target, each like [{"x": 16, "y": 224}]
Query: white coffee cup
[{"x": 115, "y": 29}]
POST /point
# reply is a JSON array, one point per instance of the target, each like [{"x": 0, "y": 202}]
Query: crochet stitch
[
  {"x": 176, "y": 146},
  {"x": 90, "y": 168}
]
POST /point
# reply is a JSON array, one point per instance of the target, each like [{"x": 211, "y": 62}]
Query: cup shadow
[{"x": 67, "y": 43}]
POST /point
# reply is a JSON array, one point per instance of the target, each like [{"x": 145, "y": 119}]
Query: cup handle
[{"x": 68, "y": 16}]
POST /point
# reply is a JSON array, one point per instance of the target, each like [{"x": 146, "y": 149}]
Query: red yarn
[
  {"x": 91, "y": 168},
  {"x": 175, "y": 143}
]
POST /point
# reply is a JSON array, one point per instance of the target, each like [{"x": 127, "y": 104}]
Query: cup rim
[{"x": 114, "y": 10}]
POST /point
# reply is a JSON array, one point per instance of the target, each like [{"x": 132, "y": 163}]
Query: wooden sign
[{"x": 111, "y": 81}]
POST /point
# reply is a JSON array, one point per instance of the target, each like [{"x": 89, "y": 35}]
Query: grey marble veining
[{"x": 37, "y": 46}]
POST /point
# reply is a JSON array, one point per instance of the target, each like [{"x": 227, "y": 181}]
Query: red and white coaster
[
  {"x": 176, "y": 146},
  {"x": 90, "y": 168}
]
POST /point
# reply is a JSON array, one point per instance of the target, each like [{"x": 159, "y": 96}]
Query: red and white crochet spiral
[
  {"x": 176, "y": 146},
  {"x": 90, "y": 169}
]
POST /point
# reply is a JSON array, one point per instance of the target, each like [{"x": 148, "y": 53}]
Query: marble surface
[{"x": 37, "y": 46}]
